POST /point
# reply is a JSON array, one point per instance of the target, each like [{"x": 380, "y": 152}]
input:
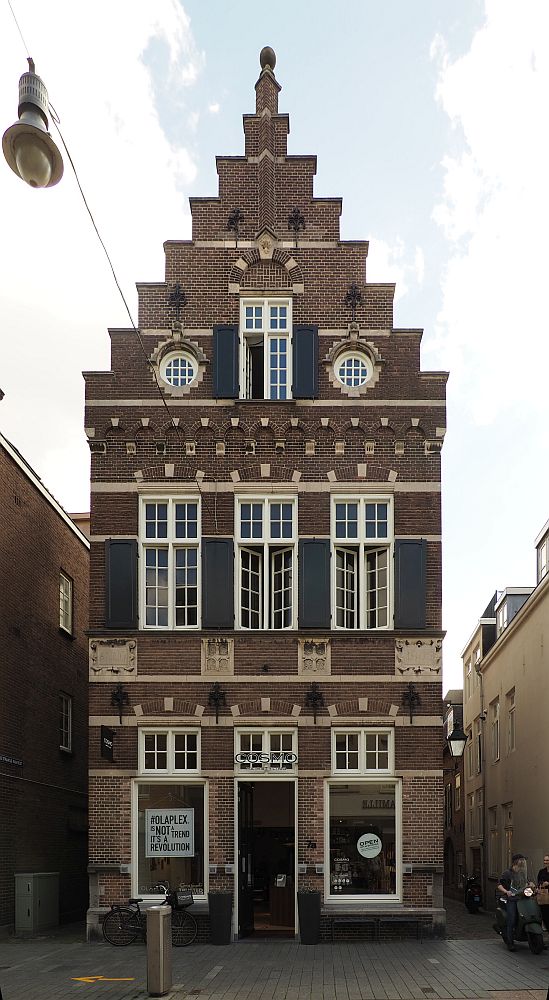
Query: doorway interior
[{"x": 266, "y": 856}]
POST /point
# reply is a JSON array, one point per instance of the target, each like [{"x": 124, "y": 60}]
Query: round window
[
  {"x": 178, "y": 369},
  {"x": 353, "y": 370}
]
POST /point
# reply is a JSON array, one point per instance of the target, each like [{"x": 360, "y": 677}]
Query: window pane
[
  {"x": 156, "y": 520},
  {"x": 250, "y": 589},
  {"x": 376, "y": 520},
  {"x": 362, "y": 840},
  {"x": 186, "y": 586},
  {"x": 156, "y": 587},
  {"x": 281, "y": 520},
  {"x": 278, "y": 367},
  {"x": 251, "y": 520},
  {"x": 182, "y": 871},
  {"x": 186, "y": 520},
  {"x": 346, "y": 520},
  {"x": 377, "y": 591},
  {"x": 346, "y": 589},
  {"x": 179, "y": 371},
  {"x": 281, "y": 592}
]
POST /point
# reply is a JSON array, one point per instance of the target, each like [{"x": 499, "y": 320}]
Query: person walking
[
  {"x": 511, "y": 882},
  {"x": 543, "y": 883}
]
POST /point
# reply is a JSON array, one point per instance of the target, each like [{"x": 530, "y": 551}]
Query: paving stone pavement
[{"x": 64, "y": 967}]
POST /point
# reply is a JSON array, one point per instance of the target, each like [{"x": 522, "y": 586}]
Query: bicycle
[{"x": 124, "y": 924}]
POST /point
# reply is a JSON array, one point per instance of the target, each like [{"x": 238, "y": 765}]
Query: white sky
[{"x": 428, "y": 118}]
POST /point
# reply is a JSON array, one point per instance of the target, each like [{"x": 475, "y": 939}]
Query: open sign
[{"x": 369, "y": 845}]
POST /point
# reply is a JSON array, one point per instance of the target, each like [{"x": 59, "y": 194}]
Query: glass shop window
[
  {"x": 170, "y": 837},
  {"x": 362, "y": 839}
]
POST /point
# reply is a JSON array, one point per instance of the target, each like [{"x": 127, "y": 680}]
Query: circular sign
[{"x": 369, "y": 845}]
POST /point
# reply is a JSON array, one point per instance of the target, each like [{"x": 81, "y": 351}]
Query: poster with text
[{"x": 169, "y": 833}]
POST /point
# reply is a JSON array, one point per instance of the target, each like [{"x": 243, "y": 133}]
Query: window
[
  {"x": 178, "y": 369},
  {"x": 468, "y": 680},
  {"x": 507, "y": 809},
  {"x": 494, "y": 864},
  {"x": 469, "y": 755},
  {"x": 457, "y": 794},
  {"x": 478, "y": 746},
  {"x": 501, "y": 618},
  {"x": 362, "y": 838},
  {"x": 353, "y": 369},
  {"x": 170, "y": 533},
  {"x": 448, "y": 805},
  {"x": 170, "y": 836},
  {"x": 474, "y": 813},
  {"x": 361, "y": 539},
  {"x": 363, "y": 750},
  {"x": 449, "y": 724},
  {"x": 266, "y": 565},
  {"x": 65, "y": 603},
  {"x": 511, "y": 741},
  {"x": 494, "y": 728},
  {"x": 542, "y": 554},
  {"x": 266, "y": 749},
  {"x": 169, "y": 750},
  {"x": 65, "y": 722},
  {"x": 265, "y": 329}
]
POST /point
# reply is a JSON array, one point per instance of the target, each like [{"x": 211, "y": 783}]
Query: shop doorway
[{"x": 266, "y": 858}]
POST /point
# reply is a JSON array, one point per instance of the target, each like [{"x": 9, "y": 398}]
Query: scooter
[
  {"x": 528, "y": 927},
  {"x": 473, "y": 894}
]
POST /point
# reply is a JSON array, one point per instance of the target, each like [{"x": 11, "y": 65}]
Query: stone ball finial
[{"x": 267, "y": 57}]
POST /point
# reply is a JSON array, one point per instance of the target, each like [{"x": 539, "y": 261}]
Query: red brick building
[
  {"x": 266, "y": 567},
  {"x": 44, "y": 575}
]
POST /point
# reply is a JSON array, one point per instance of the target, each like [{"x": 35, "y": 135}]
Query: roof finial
[{"x": 267, "y": 58}]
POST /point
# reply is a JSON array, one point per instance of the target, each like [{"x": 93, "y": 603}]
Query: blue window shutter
[
  {"x": 121, "y": 583},
  {"x": 305, "y": 362},
  {"x": 314, "y": 583},
  {"x": 225, "y": 361},
  {"x": 410, "y": 582},
  {"x": 217, "y": 583}
]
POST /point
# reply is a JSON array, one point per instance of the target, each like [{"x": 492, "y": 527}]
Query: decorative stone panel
[
  {"x": 115, "y": 657},
  {"x": 217, "y": 656},
  {"x": 314, "y": 656},
  {"x": 418, "y": 656}
]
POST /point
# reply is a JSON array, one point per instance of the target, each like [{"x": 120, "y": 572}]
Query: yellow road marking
[{"x": 102, "y": 979}]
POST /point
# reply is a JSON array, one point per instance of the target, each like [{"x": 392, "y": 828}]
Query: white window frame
[
  {"x": 468, "y": 679},
  {"x": 264, "y": 735},
  {"x": 495, "y": 735},
  {"x": 502, "y": 616},
  {"x": 396, "y": 784},
  {"x": 457, "y": 793},
  {"x": 362, "y": 733},
  {"x": 65, "y": 722},
  {"x": 268, "y": 545},
  {"x": 162, "y": 779},
  {"x": 543, "y": 559},
  {"x": 172, "y": 544},
  {"x": 362, "y": 546},
  {"x": 511, "y": 720},
  {"x": 170, "y": 733},
  {"x": 178, "y": 355},
  {"x": 66, "y": 591},
  {"x": 268, "y": 336}
]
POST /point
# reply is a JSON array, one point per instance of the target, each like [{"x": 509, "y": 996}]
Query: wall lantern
[
  {"x": 456, "y": 741},
  {"x": 28, "y": 147}
]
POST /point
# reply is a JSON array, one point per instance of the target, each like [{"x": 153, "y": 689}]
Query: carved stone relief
[
  {"x": 113, "y": 656},
  {"x": 217, "y": 656},
  {"x": 314, "y": 656},
  {"x": 418, "y": 656}
]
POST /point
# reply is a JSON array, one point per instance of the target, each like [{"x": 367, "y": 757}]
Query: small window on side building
[
  {"x": 65, "y": 722},
  {"x": 65, "y": 603}
]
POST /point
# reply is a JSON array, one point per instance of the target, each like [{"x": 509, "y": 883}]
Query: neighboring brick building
[
  {"x": 454, "y": 801},
  {"x": 266, "y": 566},
  {"x": 44, "y": 571}
]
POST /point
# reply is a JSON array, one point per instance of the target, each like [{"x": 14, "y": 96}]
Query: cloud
[
  {"x": 395, "y": 263},
  {"x": 494, "y": 213},
  {"x": 214, "y": 108},
  {"x": 58, "y": 294}
]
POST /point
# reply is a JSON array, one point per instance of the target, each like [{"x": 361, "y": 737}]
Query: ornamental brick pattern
[{"x": 382, "y": 440}]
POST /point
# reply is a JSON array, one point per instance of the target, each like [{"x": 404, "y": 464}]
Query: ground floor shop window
[
  {"x": 170, "y": 836},
  {"x": 363, "y": 839}
]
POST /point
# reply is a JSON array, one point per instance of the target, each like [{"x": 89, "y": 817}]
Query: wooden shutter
[
  {"x": 314, "y": 583},
  {"x": 225, "y": 361},
  {"x": 305, "y": 362},
  {"x": 217, "y": 583},
  {"x": 410, "y": 582},
  {"x": 121, "y": 583}
]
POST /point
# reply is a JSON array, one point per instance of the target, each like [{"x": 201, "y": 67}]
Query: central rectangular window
[
  {"x": 265, "y": 348},
  {"x": 170, "y": 534},
  {"x": 266, "y": 749},
  {"x": 266, "y": 537},
  {"x": 363, "y": 820},
  {"x": 363, "y": 750},
  {"x": 362, "y": 536}
]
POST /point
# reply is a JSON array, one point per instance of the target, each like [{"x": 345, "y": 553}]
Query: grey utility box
[
  {"x": 159, "y": 950},
  {"x": 36, "y": 901}
]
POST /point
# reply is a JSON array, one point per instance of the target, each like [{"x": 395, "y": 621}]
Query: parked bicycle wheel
[
  {"x": 121, "y": 926},
  {"x": 184, "y": 928}
]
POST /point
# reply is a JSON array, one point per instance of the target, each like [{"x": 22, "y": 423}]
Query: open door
[{"x": 245, "y": 859}]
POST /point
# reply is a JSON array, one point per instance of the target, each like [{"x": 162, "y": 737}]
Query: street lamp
[
  {"x": 28, "y": 147},
  {"x": 456, "y": 741}
]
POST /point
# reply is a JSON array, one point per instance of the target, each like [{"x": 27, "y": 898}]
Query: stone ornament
[
  {"x": 177, "y": 342},
  {"x": 418, "y": 657},
  {"x": 117, "y": 657},
  {"x": 353, "y": 344},
  {"x": 314, "y": 656},
  {"x": 217, "y": 656}
]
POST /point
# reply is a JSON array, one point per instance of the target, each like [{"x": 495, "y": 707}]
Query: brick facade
[
  {"x": 382, "y": 440},
  {"x": 43, "y": 789}
]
